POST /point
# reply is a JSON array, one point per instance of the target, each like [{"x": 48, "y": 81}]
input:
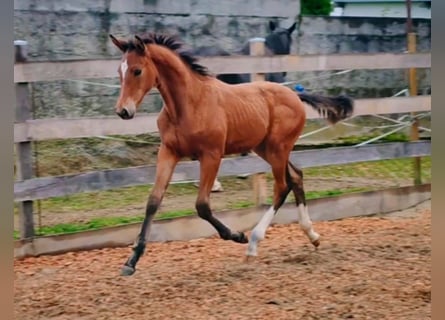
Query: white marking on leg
[
  {"x": 217, "y": 187},
  {"x": 259, "y": 232},
  {"x": 124, "y": 68},
  {"x": 306, "y": 224}
]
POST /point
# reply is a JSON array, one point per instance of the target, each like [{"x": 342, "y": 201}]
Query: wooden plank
[
  {"x": 294, "y": 63},
  {"x": 413, "y": 92},
  {"x": 68, "y": 69},
  {"x": 344, "y": 155},
  {"x": 392, "y": 105},
  {"x": 90, "y": 69},
  {"x": 24, "y": 149},
  {"x": 257, "y": 47},
  {"x": 47, "y": 129},
  {"x": 385, "y": 106},
  {"x": 46, "y": 187}
]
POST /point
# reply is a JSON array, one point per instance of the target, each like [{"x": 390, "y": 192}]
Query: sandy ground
[{"x": 366, "y": 268}]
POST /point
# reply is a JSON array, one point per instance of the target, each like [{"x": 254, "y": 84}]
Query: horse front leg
[
  {"x": 209, "y": 165},
  {"x": 166, "y": 163}
]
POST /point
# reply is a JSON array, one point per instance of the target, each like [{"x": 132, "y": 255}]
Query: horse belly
[
  {"x": 248, "y": 115},
  {"x": 244, "y": 137}
]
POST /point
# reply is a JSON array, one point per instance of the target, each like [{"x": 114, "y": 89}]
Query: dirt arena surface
[{"x": 366, "y": 268}]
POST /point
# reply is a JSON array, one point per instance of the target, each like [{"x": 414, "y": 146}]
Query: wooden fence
[{"x": 27, "y": 188}]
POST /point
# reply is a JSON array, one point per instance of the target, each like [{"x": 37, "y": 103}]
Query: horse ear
[
  {"x": 292, "y": 28},
  {"x": 122, "y": 45},
  {"x": 272, "y": 25},
  {"x": 140, "y": 45}
]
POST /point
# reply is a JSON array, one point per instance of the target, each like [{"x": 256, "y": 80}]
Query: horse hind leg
[
  {"x": 281, "y": 190},
  {"x": 294, "y": 178}
]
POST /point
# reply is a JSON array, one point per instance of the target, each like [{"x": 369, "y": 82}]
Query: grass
[
  {"x": 103, "y": 222},
  {"x": 310, "y": 195},
  {"x": 116, "y": 198},
  {"x": 394, "y": 169}
]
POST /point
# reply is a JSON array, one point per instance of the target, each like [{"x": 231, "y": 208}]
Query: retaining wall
[{"x": 192, "y": 227}]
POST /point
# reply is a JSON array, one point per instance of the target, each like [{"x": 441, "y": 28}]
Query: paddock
[{"x": 373, "y": 267}]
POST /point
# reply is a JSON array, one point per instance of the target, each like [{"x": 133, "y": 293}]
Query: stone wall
[
  {"x": 78, "y": 29},
  {"x": 330, "y": 35}
]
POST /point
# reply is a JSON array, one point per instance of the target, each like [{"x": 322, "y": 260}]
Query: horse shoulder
[{"x": 166, "y": 128}]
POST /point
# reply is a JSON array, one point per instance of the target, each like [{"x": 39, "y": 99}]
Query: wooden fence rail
[
  {"x": 47, "y": 129},
  {"x": 91, "y": 69},
  {"x": 46, "y": 187}
]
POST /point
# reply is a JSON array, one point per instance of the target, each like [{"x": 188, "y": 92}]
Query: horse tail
[{"x": 333, "y": 109}]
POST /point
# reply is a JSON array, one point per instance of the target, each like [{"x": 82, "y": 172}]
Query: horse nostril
[{"x": 123, "y": 114}]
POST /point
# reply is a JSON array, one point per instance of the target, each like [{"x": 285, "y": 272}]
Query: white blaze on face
[{"x": 124, "y": 68}]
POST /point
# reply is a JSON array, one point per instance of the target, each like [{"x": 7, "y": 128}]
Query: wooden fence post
[
  {"x": 258, "y": 48},
  {"x": 413, "y": 92},
  {"x": 24, "y": 166}
]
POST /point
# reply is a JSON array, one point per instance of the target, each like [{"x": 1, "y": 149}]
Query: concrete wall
[
  {"x": 78, "y": 29},
  {"x": 393, "y": 10},
  {"x": 330, "y": 35}
]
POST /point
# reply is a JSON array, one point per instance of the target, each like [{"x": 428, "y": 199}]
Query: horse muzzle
[{"x": 125, "y": 114}]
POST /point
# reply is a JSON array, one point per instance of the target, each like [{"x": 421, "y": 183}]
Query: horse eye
[{"x": 137, "y": 72}]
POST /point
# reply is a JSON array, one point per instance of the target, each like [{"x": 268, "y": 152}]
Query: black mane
[{"x": 176, "y": 45}]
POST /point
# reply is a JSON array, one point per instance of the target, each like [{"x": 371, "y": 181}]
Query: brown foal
[{"x": 205, "y": 118}]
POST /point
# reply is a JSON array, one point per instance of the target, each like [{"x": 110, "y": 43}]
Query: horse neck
[{"x": 177, "y": 84}]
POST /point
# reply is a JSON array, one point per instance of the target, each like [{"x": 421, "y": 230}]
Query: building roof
[{"x": 374, "y": 1}]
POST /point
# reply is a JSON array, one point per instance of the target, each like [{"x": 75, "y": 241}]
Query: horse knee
[{"x": 152, "y": 205}]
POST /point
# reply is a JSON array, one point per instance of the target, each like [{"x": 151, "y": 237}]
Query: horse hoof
[
  {"x": 127, "y": 271},
  {"x": 240, "y": 237},
  {"x": 249, "y": 259},
  {"x": 316, "y": 243}
]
